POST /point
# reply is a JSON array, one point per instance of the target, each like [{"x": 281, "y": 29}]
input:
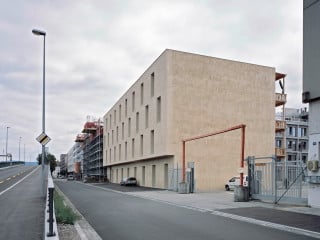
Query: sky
[{"x": 95, "y": 50}]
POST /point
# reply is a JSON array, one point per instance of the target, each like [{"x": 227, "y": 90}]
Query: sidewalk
[{"x": 298, "y": 219}]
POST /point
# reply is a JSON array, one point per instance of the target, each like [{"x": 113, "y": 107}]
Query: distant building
[
  {"x": 296, "y": 134},
  {"x": 182, "y": 95},
  {"x": 63, "y": 164}
]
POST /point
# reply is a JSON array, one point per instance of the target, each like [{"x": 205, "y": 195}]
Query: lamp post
[
  {"x": 42, "y": 33},
  {"x": 7, "y": 145}
]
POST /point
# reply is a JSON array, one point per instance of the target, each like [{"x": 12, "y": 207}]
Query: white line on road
[{"x": 18, "y": 182}]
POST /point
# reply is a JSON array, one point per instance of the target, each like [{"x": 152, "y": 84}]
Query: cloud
[{"x": 95, "y": 50}]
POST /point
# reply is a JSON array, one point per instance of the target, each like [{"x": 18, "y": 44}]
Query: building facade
[
  {"x": 296, "y": 121},
  {"x": 182, "y": 95}
]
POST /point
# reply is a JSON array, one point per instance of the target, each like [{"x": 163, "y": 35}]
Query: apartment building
[
  {"x": 296, "y": 132},
  {"x": 182, "y": 95}
]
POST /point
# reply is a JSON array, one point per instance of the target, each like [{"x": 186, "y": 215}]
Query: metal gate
[{"x": 277, "y": 181}]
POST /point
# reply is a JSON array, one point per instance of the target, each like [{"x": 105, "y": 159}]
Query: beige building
[{"x": 182, "y": 95}]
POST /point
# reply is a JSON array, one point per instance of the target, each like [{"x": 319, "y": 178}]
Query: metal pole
[
  {"x": 43, "y": 114},
  {"x": 7, "y": 145}
]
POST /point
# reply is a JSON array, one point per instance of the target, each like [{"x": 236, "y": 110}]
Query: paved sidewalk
[{"x": 298, "y": 219}]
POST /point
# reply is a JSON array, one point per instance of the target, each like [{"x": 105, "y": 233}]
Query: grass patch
[{"x": 64, "y": 214}]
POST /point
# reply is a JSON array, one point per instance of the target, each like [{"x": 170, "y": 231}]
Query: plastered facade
[{"x": 198, "y": 95}]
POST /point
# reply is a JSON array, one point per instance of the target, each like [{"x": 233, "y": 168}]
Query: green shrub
[{"x": 64, "y": 214}]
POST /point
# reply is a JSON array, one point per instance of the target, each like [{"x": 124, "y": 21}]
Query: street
[
  {"x": 120, "y": 216},
  {"x": 21, "y": 204}
]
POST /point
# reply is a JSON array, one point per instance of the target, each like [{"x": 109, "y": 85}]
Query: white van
[{"x": 235, "y": 181}]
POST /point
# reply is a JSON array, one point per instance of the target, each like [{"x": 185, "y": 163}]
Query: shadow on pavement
[{"x": 118, "y": 187}]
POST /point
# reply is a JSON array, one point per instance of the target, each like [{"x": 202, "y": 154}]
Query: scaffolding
[{"x": 93, "y": 149}]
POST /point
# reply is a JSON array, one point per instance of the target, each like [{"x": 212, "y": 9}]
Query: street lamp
[
  {"x": 7, "y": 145},
  {"x": 42, "y": 33}
]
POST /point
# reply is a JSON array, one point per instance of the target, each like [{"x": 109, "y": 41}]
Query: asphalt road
[
  {"x": 120, "y": 216},
  {"x": 21, "y": 207},
  {"x": 11, "y": 175}
]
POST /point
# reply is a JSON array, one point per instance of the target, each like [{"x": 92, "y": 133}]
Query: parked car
[
  {"x": 129, "y": 181},
  {"x": 70, "y": 177},
  {"x": 235, "y": 181}
]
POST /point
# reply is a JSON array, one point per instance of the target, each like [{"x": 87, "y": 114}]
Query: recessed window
[
  {"x": 147, "y": 116},
  {"x": 120, "y": 113},
  {"x": 133, "y": 101},
  {"x": 141, "y": 145},
  {"x": 115, "y": 154},
  {"x": 117, "y": 134},
  {"x": 132, "y": 148},
  {"x": 137, "y": 122},
  {"x": 126, "y": 107},
  {"x": 141, "y": 93},
  {"x": 158, "y": 109},
  {"x": 129, "y": 127},
  {"x": 112, "y": 137},
  {"x": 119, "y": 152},
  {"x": 114, "y": 116},
  {"x": 110, "y": 154},
  {"x": 110, "y": 120},
  {"x": 152, "y": 85},
  {"x": 108, "y": 139},
  {"x": 126, "y": 150},
  {"x": 152, "y": 141},
  {"x": 122, "y": 131}
]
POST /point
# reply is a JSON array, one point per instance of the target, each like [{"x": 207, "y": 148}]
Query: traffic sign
[{"x": 43, "y": 139}]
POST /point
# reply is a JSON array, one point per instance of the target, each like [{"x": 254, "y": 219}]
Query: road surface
[
  {"x": 120, "y": 216},
  {"x": 21, "y": 204}
]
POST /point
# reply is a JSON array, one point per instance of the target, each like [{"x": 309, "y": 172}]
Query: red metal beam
[{"x": 241, "y": 126}]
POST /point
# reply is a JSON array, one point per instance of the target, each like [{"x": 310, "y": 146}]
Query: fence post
[
  {"x": 50, "y": 220},
  {"x": 274, "y": 163}
]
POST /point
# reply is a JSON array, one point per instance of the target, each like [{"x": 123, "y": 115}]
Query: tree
[{"x": 48, "y": 158}]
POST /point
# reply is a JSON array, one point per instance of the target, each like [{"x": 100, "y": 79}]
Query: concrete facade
[{"x": 182, "y": 95}]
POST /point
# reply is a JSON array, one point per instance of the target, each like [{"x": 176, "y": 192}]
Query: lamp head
[{"x": 38, "y": 32}]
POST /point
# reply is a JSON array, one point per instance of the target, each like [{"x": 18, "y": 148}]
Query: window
[
  {"x": 115, "y": 154},
  {"x": 122, "y": 131},
  {"x": 110, "y": 155},
  {"x": 141, "y": 93},
  {"x": 114, "y": 116},
  {"x": 147, "y": 116},
  {"x": 110, "y": 120},
  {"x": 119, "y": 152},
  {"x": 126, "y": 107},
  {"x": 158, "y": 109},
  {"x": 133, "y": 100},
  {"x": 120, "y": 113},
  {"x": 152, "y": 85},
  {"x": 132, "y": 149},
  {"x": 129, "y": 127},
  {"x": 117, "y": 134},
  {"x": 126, "y": 150},
  {"x": 141, "y": 145},
  {"x": 108, "y": 139},
  {"x": 112, "y": 136},
  {"x": 106, "y": 124},
  {"x": 107, "y": 155},
  {"x": 135, "y": 172},
  {"x": 152, "y": 141},
  {"x": 137, "y": 122}
]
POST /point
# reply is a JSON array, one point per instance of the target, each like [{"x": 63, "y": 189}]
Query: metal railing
[{"x": 50, "y": 218}]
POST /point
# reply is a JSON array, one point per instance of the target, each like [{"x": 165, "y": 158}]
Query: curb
[{"x": 84, "y": 229}]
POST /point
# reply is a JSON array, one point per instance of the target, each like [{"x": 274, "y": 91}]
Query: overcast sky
[{"x": 95, "y": 50}]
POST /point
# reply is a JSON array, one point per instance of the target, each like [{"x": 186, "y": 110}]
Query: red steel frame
[{"x": 241, "y": 126}]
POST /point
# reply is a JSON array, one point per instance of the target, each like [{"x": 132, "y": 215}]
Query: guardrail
[{"x": 50, "y": 224}]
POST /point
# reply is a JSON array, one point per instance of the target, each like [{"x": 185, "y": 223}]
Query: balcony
[
  {"x": 280, "y": 126},
  {"x": 281, "y": 99},
  {"x": 280, "y": 152}
]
